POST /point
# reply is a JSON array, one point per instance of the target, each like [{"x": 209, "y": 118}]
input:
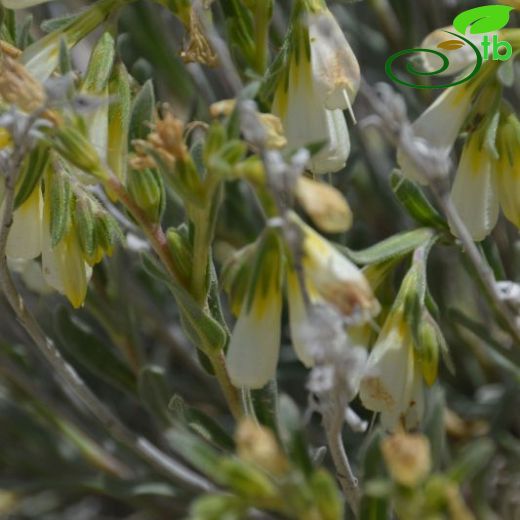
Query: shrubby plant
[{"x": 221, "y": 300}]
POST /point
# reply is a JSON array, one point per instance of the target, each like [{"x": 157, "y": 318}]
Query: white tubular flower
[
  {"x": 252, "y": 354},
  {"x": 335, "y": 68},
  {"x": 392, "y": 383},
  {"x": 24, "y": 241},
  {"x": 439, "y": 126},
  {"x": 508, "y": 169},
  {"x": 474, "y": 193},
  {"x": 306, "y": 121},
  {"x": 330, "y": 278},
  {"x": 460, "y": 54},
  {"x": 316, "y": 86}
]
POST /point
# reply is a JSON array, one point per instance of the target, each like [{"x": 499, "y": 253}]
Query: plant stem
[
  {"x": 159, "y": 243},
  {"x": 67, "y": 375},
  {"x": 333, "y": 424},
  {"x": 436, "y": 178}
]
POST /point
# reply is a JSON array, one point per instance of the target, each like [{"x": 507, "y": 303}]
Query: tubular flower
[
  {"x": 392, "y": 383},
  {"x": 439, "y": 127},
  {"x": 474, "y": 192},
  {"x": 405, "y": 357},
  {"x": 508, "y": 167},
  {"x": 320, "y": 80},
  {"x": 254, "y": 279},
  {"x": 252, "y": 355},
  {"x": 328, "y": 277}
]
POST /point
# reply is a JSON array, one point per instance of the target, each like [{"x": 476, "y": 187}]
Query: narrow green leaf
[
  {"x": 415, "y": 202},
  {"x": 397, "y": 246},
  {"x": 143, "y": 111}
]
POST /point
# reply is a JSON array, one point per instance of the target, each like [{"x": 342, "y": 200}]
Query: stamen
[{"x": 349, "y": 106}]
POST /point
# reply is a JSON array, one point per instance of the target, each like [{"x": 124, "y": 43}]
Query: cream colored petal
[
  {"x": 335, "y": 68},
  {"x": 252, "y": 354},
  {"x": 333, "y": 156},
  {"x": 335, "y": 277},
  {"x": 439, "y": 126},
  {"x": 414, "y": 413},
  {"x": 298, "y": 317},
  {"x": 508, "y": 173},
  {"x": 24, "y": 239},
  {"x": 474, "y": 193},
  {"x": 306, "y": 122},
  {"x": 388, "y": 380}
]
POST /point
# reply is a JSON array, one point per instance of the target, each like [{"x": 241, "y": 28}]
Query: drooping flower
[
  {"x": 508, "y": 167},
  {"x": 474, "y": 192},
  {"x": 392, "y": 383},
  {"x": 320, "y": 80},
  {"x": 327, "y": 277},
  {"x": 252, "y": 354},
  {"x": 439, "y": 127},
  {"x": 254, "y": 280},
  {"x": 404, "y": 358}
]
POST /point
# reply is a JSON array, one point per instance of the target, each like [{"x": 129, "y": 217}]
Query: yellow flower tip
[
  {"x": 324, "y": 204},
  {"x": 407, "y": 457},
  {"x": 258, "y": 445}
]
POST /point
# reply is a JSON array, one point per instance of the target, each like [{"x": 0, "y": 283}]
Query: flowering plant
[{"x": 237, "y": 281}]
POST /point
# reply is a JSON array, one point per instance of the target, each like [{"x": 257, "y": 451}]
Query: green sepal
[
  {"x": 108, "y": 232},
  {"x": 142, "y": 113},
  {"x": 119, "y": 120},
  {"x": 146, "y": 188},
  {"x": 100, "y": 65},
  {"x": 60, "y": 198},
  {"x": 85, "y": 222},
  {"x": 411, "y": 197},
  {"x": 33, "y": 169}
]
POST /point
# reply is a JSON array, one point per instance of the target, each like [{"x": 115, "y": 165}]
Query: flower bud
[
  {"x": 258, "y": 445},
  {"x": 324, "y": 204},
  {"x": 147, "y": 190},
  {"x": 407, "y": 457},
  {"x": 76, "y": 148}
]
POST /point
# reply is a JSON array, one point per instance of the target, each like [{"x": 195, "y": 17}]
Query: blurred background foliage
[{"x": 128, "y": 345}]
